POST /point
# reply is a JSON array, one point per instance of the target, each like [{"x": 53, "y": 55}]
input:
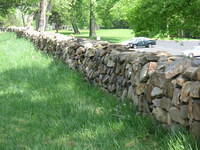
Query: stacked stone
[{"x": 165, "y": 86}]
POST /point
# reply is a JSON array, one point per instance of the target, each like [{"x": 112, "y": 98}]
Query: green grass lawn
[
  {"x": 110, "y": 35},
  {"x": 115, "y": 35},
  {"x": 46, "y": 106}
]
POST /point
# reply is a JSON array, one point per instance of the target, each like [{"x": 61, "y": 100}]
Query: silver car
[{"x": 194, "y": 52}]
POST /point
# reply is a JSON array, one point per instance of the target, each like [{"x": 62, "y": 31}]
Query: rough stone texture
[
  {"x": 191, "y": 73},
  {"x": 184, "y": 111},
  {"x": 185, "y": 92},
  {"x": 195, "y": 128},
  {"x": 194, "y": 109},
  {"x": 163, "y": 102},
  {"x": 198, "y": 74},
  {"x": 147, "y": 71},
  {"x": 161, "y": 115},
  {"x": 180, "y": 81},
  {"x": 195, "y": 90},
  {"x": 157, "y": 83},
  {"x": 176, "y": 97},
  {"x": 157, "y": 92},
  {"x": 176, "y": 115},
  {"x": 177, "y": 67},
  {"x": 190, "y": 89}
]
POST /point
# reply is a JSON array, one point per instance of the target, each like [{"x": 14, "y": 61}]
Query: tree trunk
[
  {"x": 42, "y": 16},
  {"x": 49, "y": 7},
  {"x": 92, "y": 20},
  {"x": 23, "y": 20},
  {"x": 29, "y": 21},
  {"x": 75, "y": 28},
  {"x": 56, "y": 27},
  {"x": 37, "y": 18}
]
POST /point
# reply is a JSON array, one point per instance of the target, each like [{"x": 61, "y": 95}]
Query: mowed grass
[
  {"x": 110, "y": 35},
  {"x": 116, "y": 35},
  {"x": 46, "y": 106}
]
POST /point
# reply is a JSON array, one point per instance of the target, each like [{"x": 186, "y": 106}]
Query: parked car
[
  {"x": 194, "y": 52},
  {"x": 141, "y": 41}
]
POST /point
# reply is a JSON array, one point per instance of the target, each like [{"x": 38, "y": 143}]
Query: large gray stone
[
  {"x": 148, "y": 90},
  {"x": 194, "y": 109},
  {"x": 140, "y": 89},
  {"x": 198, "y": 74},
  {"x": 161, "y": 115},
  {"x": 190, "y": 89},
  {"x": 180, "y": 80},
  {"x": 195, "y": 90},
  {"x": 144, "y": 73},
  {"x": 147, "y": 71},
  {"x": 169, "y": 89},
  {"x": 163, "y": 102},
  {"x": 195, "y": 128},
  {"x": 177, "y": 67},
  {"x": 131, "y": 92},
  {"x": 176, "y": 97},
  {"x": 176, "y": 115},
  {"x": 156, "y": 92},
  {"x": 110, "y": 63},
  {"x": 185, "y": 92},
  {"x": 190, "y": 73},
  {"x": 124, "y": 94},
  {"x": 184, "y": 111},
  {"x": 158, "y": 80}
]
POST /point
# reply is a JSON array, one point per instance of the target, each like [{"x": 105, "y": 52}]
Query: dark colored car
[{"x": 141, "y": 41}]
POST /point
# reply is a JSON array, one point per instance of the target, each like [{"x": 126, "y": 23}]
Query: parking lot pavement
[{"x": 173, "y": 47}]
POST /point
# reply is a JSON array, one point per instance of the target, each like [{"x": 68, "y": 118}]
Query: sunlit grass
[
  {"x": 110, "y": 35},
  {"x": 46, "y": 106},
  {"x": 116, "y": 35}
]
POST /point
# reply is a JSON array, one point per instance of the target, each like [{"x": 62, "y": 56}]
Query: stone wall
[{"x": 168, "y": 87}]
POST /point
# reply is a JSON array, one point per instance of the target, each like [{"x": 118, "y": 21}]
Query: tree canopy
[{"x": 174, "y": 18}]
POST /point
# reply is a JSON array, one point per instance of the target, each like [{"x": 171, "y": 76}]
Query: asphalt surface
[{"x": 172, "y": 47}]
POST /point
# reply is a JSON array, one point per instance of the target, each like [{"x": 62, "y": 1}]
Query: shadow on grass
[
  {"x": 111, "y": 39},
  {"x": 72, "y": 33},
  {"x": 85, "y": 35},
  {"x": 55, "y": 106}
]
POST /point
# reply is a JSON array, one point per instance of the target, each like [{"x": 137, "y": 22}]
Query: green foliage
[
  {"x": 160, "y": 18},
  {"x": 5, "y": 5},
  {"x": 12, "y": 18},
  {"x": 175, "y": 18},
  {"x": 29, "y": 6},
  {"x": 104, "y": 12},
  {"x": 11, "y": 9},
  {"x": 70, "y": 11}
]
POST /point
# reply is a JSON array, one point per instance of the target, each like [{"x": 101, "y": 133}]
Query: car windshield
[{"x": 139, "y": 39}]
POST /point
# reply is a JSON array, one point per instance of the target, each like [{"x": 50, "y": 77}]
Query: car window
[{"x": 196, "y": 48}]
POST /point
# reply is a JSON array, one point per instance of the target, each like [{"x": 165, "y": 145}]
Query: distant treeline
[{"x": 162, "y": 18}]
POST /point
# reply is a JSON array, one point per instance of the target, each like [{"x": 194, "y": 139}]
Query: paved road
[{"x": 173, "y": 47}]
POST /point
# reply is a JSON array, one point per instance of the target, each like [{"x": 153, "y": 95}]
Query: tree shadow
[
  {"x": 85, "y": 34},
  {"x": 48, "y": 105}
]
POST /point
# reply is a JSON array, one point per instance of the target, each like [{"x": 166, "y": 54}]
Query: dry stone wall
[{"x": 168, "y": 87}]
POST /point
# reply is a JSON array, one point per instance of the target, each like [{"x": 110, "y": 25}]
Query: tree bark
[
  {"x": 92, "y": 20},
  {"x": 75, "y": 28},
  {"x": 29, "y": 21},
  {"x": 49, "y": 7},
  {"x": 23, "y": 20},
  {"x": 56, "y": 27},
  {"x": 42, "y": 16}
]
